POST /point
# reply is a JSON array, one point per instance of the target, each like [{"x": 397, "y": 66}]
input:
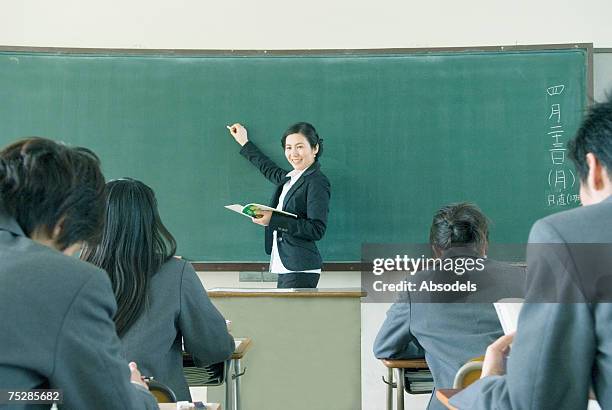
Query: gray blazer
[
  {"x": 57, "y": 329},
  {"x": 559, "y": 348},
  {"x": 178, "y": 307},
  {"x": 449, "y": 333}
]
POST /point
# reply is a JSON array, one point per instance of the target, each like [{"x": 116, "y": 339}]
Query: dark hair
[
  {"x": 44, "y": 184},
  {"x": 134, "y": 245},
  {"x": 309, "y": 132},
  {"x": 594, "y": 136},
  {"x": 459, "y": 224}
]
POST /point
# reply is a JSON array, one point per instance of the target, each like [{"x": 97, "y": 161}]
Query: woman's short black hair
[
  {"x": 459, "y": 225},
  {"x": 44, "y": 184},
  {"x": 309, "y": 132}
]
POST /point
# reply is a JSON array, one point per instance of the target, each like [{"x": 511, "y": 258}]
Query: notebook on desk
[{"x": 418, "y": 381}]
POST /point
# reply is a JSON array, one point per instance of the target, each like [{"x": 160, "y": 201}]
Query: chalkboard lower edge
[{"x": 264, "y": 266}]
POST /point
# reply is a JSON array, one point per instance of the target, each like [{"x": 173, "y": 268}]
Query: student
[
  {"x": 455, "y": 327},
  {"x": 57, "y": 330},
  {"x": 305, "y": 191},
  {"x": 160, "y": 299},
  {"x": 561, "y": 348}
]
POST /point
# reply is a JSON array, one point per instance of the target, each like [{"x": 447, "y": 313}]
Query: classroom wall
[
  {"x": 602, "y": 75},
  {"x": 279, "y": 24}
]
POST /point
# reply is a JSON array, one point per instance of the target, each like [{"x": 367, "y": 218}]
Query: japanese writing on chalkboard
[{"x": 561, "y": 177}]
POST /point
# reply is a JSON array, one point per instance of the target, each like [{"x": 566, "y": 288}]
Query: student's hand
[
  {"x": 495, "y": 360},
  {"x": 264, "y": 219},
  {"x": 239, "y": 133},
  {"x": 136, "y": 377}
]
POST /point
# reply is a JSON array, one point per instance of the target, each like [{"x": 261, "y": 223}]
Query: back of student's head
[
  {"x": 594, "y": 136},
  {"x": 134, "y": 245},
  {"x": 459, "y": 225},
  {"x": 45, "y": 185}
]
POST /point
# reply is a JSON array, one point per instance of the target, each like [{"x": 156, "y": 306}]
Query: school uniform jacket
[
  {"x": 57, "y": 329},
  {"x": 450, "y": 332},
  {"x": 177, "y": 309},
  {"x": 308, "y": 198},
  {"x": 562, "y": 345}
]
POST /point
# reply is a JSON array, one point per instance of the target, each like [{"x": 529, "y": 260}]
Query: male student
[
  {"x": 562, "y": 348},
  {"x": 451, "y": 327},
  {"x": 57, "y": 329}
]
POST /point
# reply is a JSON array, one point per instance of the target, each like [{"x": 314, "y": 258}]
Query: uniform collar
[
  {"x": 9, "y": 224},
  {"x": 460, "y": 251}
]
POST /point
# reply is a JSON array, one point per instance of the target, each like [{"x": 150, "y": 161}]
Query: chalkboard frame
[{"x": 327, "y": 266}]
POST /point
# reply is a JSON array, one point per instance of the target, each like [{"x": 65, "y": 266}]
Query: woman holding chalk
[{"x": 304, "y": 191}]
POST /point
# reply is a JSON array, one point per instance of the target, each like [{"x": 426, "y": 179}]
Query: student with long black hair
[{"x": 160, "y": 299}]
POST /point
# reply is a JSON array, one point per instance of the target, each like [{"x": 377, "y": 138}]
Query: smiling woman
[{"x": 304, "y": 191}]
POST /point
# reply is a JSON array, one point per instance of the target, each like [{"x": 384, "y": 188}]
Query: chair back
[
  {"x": 468, "y": 373},
  {"x": 161, "y": 392}
]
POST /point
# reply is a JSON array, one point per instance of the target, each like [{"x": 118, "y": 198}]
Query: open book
[
  {"x": 508, "y": 311},
  {"x": 251, "y": 210}
]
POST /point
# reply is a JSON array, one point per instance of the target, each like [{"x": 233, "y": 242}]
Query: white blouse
[{"x": 276, "y": 265}]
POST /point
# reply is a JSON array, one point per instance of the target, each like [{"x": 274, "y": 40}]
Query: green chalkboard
[{"x": 404, "y": 133}]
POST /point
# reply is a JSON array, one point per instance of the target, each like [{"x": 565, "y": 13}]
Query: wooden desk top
[
  {"x": 444, "y": 396},
  {"x": 242, "y": 345},
  {"x": 287, "y": 293},
  {"x": 172, "y": 406},
  {"x": 405, "y": 364}
]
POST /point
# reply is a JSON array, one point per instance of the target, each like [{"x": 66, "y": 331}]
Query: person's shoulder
[
  {"x": 173, "y": 270},
  {"x": 505, "y": 268},
  {"x": 582, "y": 224},
  {"x": 175, "y": 263},
  {"x": 49, "y": 262},
  {"x": 59, "y": 276},
  {"x": 318, "y": 176},
  {"x": 569, "y": 216}
]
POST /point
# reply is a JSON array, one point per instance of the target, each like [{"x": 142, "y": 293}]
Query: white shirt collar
[{"x": 295, "y": 174}]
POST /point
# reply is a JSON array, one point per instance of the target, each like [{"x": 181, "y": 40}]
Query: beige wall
[
  {"x": 602, "y": 75},
  {"x": 282, "y": 24}
]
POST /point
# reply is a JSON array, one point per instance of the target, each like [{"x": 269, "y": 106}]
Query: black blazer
[{"x": 308, "y": 198}]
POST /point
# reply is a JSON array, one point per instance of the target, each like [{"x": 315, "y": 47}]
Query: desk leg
[
  {"x": 400, "y": 389},
  {"x": 390, "y": 389},
  {"x": 228, "y": 385},
  {"x": 237, "y": 384}
]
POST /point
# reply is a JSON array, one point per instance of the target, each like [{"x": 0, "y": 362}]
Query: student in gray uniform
[
  {"x": 160, "y": 299},
  {"x": 451, "y": 328},
  {"x": 564, "y": 346},
  {"x": 57, "y": 329}
]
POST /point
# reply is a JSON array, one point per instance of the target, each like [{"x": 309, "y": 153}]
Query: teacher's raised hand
[{"x": 239, "y": 133}]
